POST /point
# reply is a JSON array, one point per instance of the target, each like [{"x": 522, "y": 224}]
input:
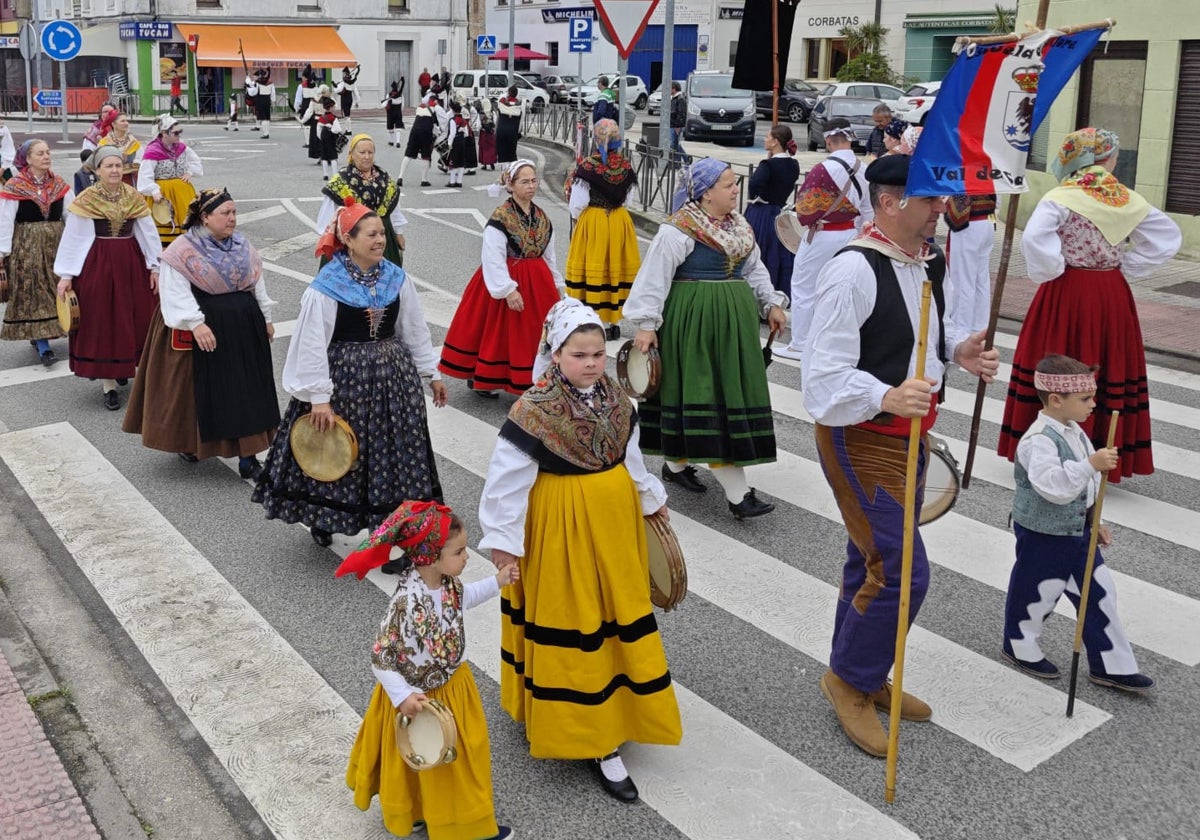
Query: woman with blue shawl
[
  {"x": 698, "y": 298},
  {"x": 360, "y": 350},
  {"x": 603, "y": 258}
]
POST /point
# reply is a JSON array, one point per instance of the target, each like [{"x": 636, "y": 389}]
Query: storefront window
[
  {"x": 812, "y": 58},
  {"x": 838, "y": 55}
]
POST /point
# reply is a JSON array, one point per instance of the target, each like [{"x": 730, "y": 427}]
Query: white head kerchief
[
  {"x": 564, "y": 318},
  {"x": 510, "y": 171},
  {"x": 164, "y": 123}
]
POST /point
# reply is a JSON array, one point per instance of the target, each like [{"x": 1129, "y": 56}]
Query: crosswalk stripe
[
  {"x": 194, "y": 628},
  {"x": 1024, "y": 729}
]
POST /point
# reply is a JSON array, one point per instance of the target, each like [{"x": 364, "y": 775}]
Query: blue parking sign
[{"x": 580, "y": 34}]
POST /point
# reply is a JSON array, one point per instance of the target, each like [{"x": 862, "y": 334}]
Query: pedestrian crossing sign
[{"x": 485, "y": 45}]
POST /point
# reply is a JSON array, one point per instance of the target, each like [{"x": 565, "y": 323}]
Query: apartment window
[
  {"x": 733, "y": 53},
  {"x": 1183, "y": 178},
  {"x": 552, "y": 51},
  {"x": 1112, "y": 84},
  {"x": 812, "y": 58},
  {"x": 397, "y": 6},
  {"x": 208, "y": 4}
]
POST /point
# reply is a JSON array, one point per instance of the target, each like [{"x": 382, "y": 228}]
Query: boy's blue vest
[{"x": 1032, "y": 511}]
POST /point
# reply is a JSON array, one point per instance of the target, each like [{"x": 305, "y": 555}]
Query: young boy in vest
[{"x": 1057, "y": 477}]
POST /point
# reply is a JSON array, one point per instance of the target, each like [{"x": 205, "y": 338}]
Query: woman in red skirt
[
  {"x": 494, "y": 335},
  {"x": 1085, "y": 237}
]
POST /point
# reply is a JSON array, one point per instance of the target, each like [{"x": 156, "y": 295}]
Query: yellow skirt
[
  {"x": 180, "y": 194},
  {"x": 603, "y": 260},
  {"x": 454, "y": 800},
  {"x": 582, "y": 662}
]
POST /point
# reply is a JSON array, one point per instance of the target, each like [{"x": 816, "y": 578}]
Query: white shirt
[
  {"x": 495, "y": 264},
  {"x": 510, "y": 477},
  {"x": 8, "y": 219},
  {"x": 836, "y": 393},
  {"x": 146, "y": 184},
  {"x": 1055, "y": 480},
  {"x": 79, "y": 234},
  {"x": 306, "y": 371},
  {"x": 8, "y": 150},
  {"x": 179, "y": 308},
  {"x": 667, "y": 251},
  {"x": 347, "y": 87}
]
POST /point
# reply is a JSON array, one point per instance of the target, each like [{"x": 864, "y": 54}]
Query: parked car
[
  {"x": 635, "y": 90},
  {"x": 557, "y": 86},
  {"x": 796, "y": 100},
  {"x": 654, "y": 103},
  {"x": 534, "y": 79},
  {"x": 870, "y": 90},
  {"x": 916, "y": 102},
  {"x": 491, "y": 84},
  {"x": 855, "y": 109},
  {"x": 716, "y": 110}
]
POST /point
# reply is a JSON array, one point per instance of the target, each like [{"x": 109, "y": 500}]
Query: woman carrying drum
[
  {"x": 359, "y": 354},
  {"x": 582, "y": 662},
  {"x": 206, "y": 385},
  {"x": 362, "y": 180},
  {"x": 698, "y": 298},
  {"x": 31, "y": 225},
  {"x": 108, "y": 257},
  {"x": 165, "y": 177}
]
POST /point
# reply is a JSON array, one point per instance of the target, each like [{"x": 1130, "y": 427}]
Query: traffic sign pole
[
  {"x": 61, "y": 41},
  {"x": 512, "y": 37},
  {"x": 62, "y": 84}
]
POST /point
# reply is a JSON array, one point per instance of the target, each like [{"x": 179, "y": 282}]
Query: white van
[{"x": 491, "y": 84}]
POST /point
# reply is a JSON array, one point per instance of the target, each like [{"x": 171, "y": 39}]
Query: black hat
[{"x": 889, "y": 171}]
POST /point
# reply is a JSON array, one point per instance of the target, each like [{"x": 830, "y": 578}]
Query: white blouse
[
  {"x": 146, "y": 184},
  {"x": 836, "y": 393},
  {"x": 510, "y": 477},
  {"x": 179, "y": 308},
  {"x": 79, "y": 234},
  {"x": 667, "y": 251},
  {"x": 306, "y": 371},
  {"x": 1055, "y": 480},
  {"x": 8, "y": 220},
  {"x": 1154, "y": 241},
  {"x": 495, "y": 264},
  {"x": 581, "y": 194},
  {"x": 328, "y": 208}
]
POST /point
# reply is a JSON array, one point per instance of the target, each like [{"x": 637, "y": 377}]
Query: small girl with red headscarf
[{"x": 417, "y": 657}]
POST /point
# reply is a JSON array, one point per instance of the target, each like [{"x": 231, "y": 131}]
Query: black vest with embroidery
[{"x": 354, "y": 324}]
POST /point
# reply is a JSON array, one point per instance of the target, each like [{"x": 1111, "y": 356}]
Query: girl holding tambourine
[{"x": 417, "y": 659}]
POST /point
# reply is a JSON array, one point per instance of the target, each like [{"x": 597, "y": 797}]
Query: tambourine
[
  {"x": 163, "y": 213},
  {"x": 68, "y": 311},
  {"x": 638, "y": 373},
  {"x": 429, "y": 738},
  {"x": 668, "y": 574},
  {"x": 787, "y": 228},
  {"x": 942, "y": 481},
  {"x": 324, "y": 456}
]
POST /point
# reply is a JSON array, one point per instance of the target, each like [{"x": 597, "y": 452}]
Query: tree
[
  {"x": 1003, "y": 20},
  {"x": 868, "y": 63},
  {"x": 866, "y": 38}
]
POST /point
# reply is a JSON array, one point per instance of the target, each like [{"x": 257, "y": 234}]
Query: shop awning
[{"x": 268, "y": 46}]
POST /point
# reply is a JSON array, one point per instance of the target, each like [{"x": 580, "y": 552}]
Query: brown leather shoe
[
  {"x": 856, "y": 713},
  {"x": 910, "y": 707}
]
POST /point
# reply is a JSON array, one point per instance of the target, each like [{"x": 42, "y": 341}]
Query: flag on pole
[
  {"x": 752, "y": 69},
  {"x": 978, "y": 132}
]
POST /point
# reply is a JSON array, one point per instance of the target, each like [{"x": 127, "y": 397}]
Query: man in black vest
[{"x": 859, "y": 387}]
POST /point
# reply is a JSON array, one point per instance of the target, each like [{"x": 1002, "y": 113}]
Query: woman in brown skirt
[
  {"x": 31, "y": 224},
  {"x": 206, "y": 386}
]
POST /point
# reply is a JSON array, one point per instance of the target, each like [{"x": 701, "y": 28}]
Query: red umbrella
[{"x": 521, "y": 54}]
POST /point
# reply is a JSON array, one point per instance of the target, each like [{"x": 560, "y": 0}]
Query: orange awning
[{"x": 268, "y": 46}]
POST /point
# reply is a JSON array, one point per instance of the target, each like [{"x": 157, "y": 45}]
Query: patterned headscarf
[
  {"x": 608, "y": 138},
  {"x": 344, "y": 219},
  {"x": 21, "y": 160},
  {"x": 896, "y": 128},
  {"x": 908, "y": 140},
  {"x": 564, "y": 317},
  {"x": 697, "y": 180},
  {"x": 420, "y": 528},
  {"x": 1083, "y": 148},
  {"x": 100, "y": 154}
]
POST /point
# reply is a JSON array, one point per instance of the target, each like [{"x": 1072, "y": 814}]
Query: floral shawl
[
  {"x": 1095, "y": 193},
  {"x": 380, "y": 195},
  {"x": 609, "y": 181},
  {"x": 552, "y": 418},
  {"x": 212, "y": 266},
  {"x": 341, "y": 280},
  {"x": 528, "y": 236},
  {"x": 21, "y": 187},
  {"x": 413, "y": 641},
  {"x": 732, "y": 236}
]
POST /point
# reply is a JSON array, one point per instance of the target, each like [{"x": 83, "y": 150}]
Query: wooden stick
[
  {"x": 906, "y": 557},
  {"x": 1093, "y": 540},
  {"x": 774, "y": 62},
  {"x": 1011, "y": 37}
]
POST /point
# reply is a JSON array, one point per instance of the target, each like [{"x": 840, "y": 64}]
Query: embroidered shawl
[
  {"x": 732, "y": 237},
  {"x": 209, "y": 266},
  {"x": 21, "y": 187},
  {"x": 414, "y": 641},
  {"x": 609, "y": 181},
  {"x": 155, "y": 150},
  {"x": 528, "y": 235},
  {"x": 336, "y": 281},
  {"x": 380, "y": 194},
  {"x": 129, "y": 148},
  {"x": 590, "y": 438},
  {"x": 1095, "y": 193},
  {"x": 818, "y": 194},
  {"x": 91, "y": 204}
]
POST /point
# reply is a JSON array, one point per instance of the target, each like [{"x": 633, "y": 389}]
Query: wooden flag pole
[{"x": 774, "y": 62}]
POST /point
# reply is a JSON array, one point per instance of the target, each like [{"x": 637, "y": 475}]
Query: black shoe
[
  {"x": 321, "y": 538},
  {"x": 188, "y": 457},
  {"x": 48, "y": 358},
  {"x": 686, "y": 479},
  {"x": 1043, "y": 669},
  {"x": 426, "y": 184},
  {"x": 122, "y": 382},
  {"x": 487, "y": 395},
  {"x": 622, "y": 791},
  {"x": 111, "y": 401},
  {"x": 1133, "y": 683},
  {"x": 399, "y": 182},
  {"x": 613, "y": 332},
  {"x": 750, "y": 506},
  {"x": 250, "y": 468}
]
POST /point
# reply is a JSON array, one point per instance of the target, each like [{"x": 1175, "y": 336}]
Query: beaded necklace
[{"x": 369, "y": 279}]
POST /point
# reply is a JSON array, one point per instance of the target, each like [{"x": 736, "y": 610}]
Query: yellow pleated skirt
[
  {"x": 454, "y": 800},
  {"x": 582, "y": 662},
  {"x": 603, "y": 260},
  {"x": 181, "y": 194}
]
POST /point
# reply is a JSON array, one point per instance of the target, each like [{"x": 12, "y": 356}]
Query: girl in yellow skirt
[
  {"x": 417, "y": 657},
  {"x": 165, "y": 175},
  {"x": 603, "y": 258},
  {"x": 582, "y": 662}
]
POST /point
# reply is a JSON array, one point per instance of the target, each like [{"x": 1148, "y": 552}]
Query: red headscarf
[
  {"x": 347, "y": 216},
  {"x": 420, "y": 528},
  {"x": 106, "y": 124}
]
